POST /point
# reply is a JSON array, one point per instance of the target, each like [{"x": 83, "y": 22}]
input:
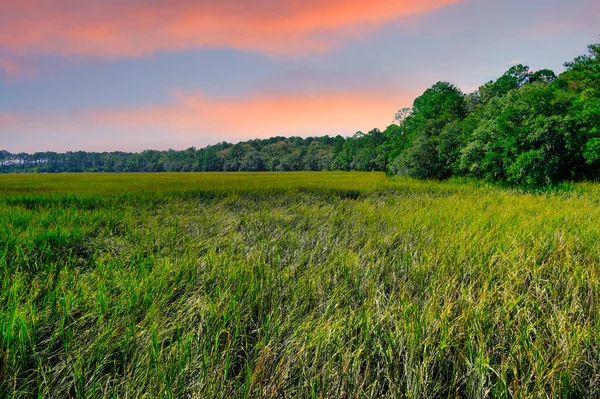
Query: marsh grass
[{"x": 316, "y": 285}]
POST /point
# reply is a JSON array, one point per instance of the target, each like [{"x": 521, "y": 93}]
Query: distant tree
[
  {"x": 524, "y": 128},
  {"x": 437, "y": 107},
  {"x": 401, "y": 115},
  {"x": 543, "y": 75}
]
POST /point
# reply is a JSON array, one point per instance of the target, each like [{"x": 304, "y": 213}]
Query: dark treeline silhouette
[{"x": 528, "y": 128}]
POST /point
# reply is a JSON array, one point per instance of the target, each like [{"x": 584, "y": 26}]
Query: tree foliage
[{"x": 528, "y": 128}]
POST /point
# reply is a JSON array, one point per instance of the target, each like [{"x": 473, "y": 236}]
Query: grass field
[{"x": 308, "y": 285}]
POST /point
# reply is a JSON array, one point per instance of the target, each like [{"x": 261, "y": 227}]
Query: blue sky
[{"x": 135, "y": 75}]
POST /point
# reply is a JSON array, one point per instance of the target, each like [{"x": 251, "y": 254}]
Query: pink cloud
[
  {"x": 193, "y": 119},
  {"x": 135, "y": 27},
  {"x": 559, "y": 24},
  {"x": 263, "y": 115},
  {"x": 13, "y": 70}
]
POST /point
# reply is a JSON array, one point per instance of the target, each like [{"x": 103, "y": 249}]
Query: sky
[{"x": 130, "y": 75}]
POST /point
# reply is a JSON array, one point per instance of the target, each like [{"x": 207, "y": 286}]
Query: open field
[{"x": 317, "y": 285}]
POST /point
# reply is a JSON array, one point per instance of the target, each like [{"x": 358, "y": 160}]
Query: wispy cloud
[
  {"x": 134, "y": 27},
  {"x": 196, "y": 119},
  {"x": 12, "y": 70},
  {"x": 569, "y": 20},
  {"x": 263, "y": 115}
]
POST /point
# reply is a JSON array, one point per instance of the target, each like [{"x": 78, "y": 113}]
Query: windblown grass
[{"x": 317, "y": 285}]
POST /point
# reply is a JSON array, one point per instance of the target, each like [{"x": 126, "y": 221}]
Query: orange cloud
[
  {"x": 198, "y": 120},
  {"x": 135, "y": 27},
  {"x": 263, "y": 115}
]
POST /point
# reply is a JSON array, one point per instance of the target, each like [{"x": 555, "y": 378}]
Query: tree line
[
  {"x": 360, "y": 152},
  {"x": 528, "y": 128}
]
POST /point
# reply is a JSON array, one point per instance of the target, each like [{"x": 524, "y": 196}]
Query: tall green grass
[{"x": 316, "y": 285}]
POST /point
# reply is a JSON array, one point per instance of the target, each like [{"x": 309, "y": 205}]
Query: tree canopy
[{"x": 528, "y": 128}]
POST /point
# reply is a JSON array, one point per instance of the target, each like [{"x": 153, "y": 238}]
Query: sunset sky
[{"x": 131, "y": 75}]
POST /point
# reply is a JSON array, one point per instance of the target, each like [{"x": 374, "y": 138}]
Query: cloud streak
[
  {"x": 12, "y": 70},
  {"x": 262, "y": 115},
  {"x": 113, "y": 28},
  {"x": 194, "y": 119},
  {"x": 562, "y": 23}
]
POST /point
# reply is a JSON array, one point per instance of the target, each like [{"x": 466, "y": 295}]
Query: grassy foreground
[{"x": 315, "y": 285}]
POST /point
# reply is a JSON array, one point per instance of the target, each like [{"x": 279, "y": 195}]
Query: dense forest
[{"x": 527, "y": 128}]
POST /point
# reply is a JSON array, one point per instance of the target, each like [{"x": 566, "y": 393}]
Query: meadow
[{"x": 296, "y": 285}]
